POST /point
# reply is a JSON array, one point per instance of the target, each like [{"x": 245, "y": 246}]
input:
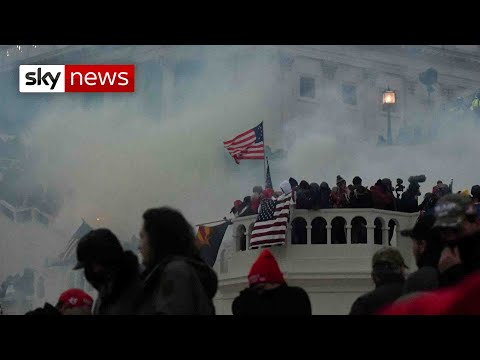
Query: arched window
[
  {"x": 392, "y": 224},
  {"x": 241, "y": 238},
  {"x": 299, "y": 231},
  {"x": 377, "y": 232},
  {"x": 359, "y": 230},
  {"x": 339, "y": 232},
  {"x": 223, "y": 262},
  {"x": 319, "y": 231}
]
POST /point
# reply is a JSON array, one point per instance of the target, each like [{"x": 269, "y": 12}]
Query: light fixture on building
[{"x": 389, "y": 97}]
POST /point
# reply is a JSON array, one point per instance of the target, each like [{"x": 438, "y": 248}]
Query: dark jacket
[
  {"x": 121, "y": 296},
  {"x": 304, "y": 199},
  {"x": 179, "y": 286},
  {"x": 408, "y": 203},
  {"x": 426, "y": 278},
  {"x": 47, "y": 309},
  {"x": 325, "y": 197},
  {"x": 360, "y": 197},
  {"x": 373, "y": 301},
  {"x": 283, "y": 300}
]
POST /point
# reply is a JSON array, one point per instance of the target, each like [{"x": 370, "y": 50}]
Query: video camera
[
  {"x": 399, "y": 188},
  {"x": 415, "y": 183}
]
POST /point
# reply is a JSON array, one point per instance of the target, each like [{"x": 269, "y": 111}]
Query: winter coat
[
  {"x": 340, "y": 198},
  {"x": 373, "y": 301},
  {"x": 121, "y": 296},
  {"x": 47, "y": 309},
  {"x": 325, "y": 198},
  {"x": 283, "y": 300},
  {"x": 426, "y": 278},
  {"x": 360, "y": 197},
  {"x": 382, "y": 199},
  {"x": 179, "y": 286},
  {"x": 408, "y": 203},
  {"x": 304, "y": 198}
]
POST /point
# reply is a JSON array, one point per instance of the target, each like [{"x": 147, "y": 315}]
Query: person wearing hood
[
  {"x": 268, "y": 292},
  {"x": 316, "y": 195},
  {"x": 325, "y": 196},
  {"x": 304, "y": 196},
  {"x": 113, "y": 272},
  {"x": 340, "y": 197},
  {"x": 176, "y": 280},
  {"x": 409, "y": 200},
  {"x": 360, "y": 196},
  {"x": 285, "y": 187},
  {"x": 426, "y": 249}
]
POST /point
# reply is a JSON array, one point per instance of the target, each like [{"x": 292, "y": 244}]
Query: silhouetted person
[
  {"x": 268, "y": 293},
  {"x": 176, "y": 280},
  {"x": 113, "y": 272}
]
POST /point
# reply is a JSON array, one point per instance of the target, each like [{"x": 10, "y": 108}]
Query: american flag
[
  {"x": 69, "y": 254},
  {"x": 271, "y": 225},
  {"x": 247, "y": 146}
]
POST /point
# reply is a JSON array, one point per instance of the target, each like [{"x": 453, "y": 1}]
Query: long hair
[{"x": 169, "y": 233}]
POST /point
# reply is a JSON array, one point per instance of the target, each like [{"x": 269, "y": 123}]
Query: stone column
[
  {"x": 309, "y": 234},
  {"x": 349, "y": 234},
  {"x": 329, "y": 234},
  {"x": 385, "y": 236},
  {"x": 370, "y": 235}
]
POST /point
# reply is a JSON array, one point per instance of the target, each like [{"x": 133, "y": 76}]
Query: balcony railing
[{"x": 333, "y": 227}]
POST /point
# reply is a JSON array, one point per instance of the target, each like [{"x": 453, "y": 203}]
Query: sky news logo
[{"x": 76, "y": 78}]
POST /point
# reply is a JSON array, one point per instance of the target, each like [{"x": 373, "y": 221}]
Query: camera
[{"x": 399, "y": 188}]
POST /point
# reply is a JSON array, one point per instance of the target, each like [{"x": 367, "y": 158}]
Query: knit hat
[
  {"x": 237, "y": 203},
  {"x": 357, "y": 180},
  {"x": 339, "y": 180},
  {"x": 265, "y": 270}
]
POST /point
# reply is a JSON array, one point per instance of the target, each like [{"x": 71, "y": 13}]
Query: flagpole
[{"x": 213, "y": 222}]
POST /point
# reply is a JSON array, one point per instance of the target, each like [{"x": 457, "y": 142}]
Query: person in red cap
[
  {"x": 71, "y": 302},
  {"x": 75, "y": 302},
  {"x": 268, "y": 293}
]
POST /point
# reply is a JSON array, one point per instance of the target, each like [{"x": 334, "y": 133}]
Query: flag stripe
[
  {"x": 271, "y": 225},
  {"x": 247, "y": 145}
]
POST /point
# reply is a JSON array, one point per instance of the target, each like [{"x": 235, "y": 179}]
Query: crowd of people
[
  {"x": 382, "y": 195},
  {"x": 446, "y": 247},
  {"x": 173, "y": 279}
]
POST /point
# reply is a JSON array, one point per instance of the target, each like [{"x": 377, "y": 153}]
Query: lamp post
[{"x": 389, "y": 99}]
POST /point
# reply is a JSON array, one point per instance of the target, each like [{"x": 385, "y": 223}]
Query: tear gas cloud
[{"x": 117, "y": 159}]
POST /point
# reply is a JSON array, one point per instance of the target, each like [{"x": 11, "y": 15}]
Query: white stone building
[{"x": 306, "y": 78}]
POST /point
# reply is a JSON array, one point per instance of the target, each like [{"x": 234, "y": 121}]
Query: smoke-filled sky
[{"x": 116, "y": 159}]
